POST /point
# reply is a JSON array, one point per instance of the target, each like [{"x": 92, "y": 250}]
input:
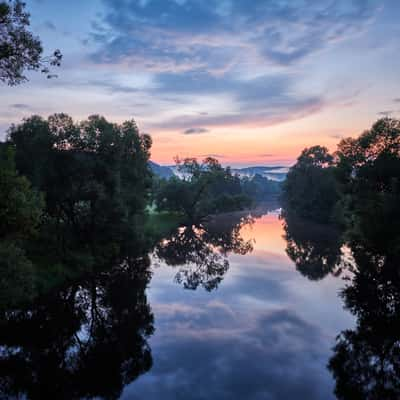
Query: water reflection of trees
[
  {"x": 201, "y": 251},
  {"x": 86, "y": 340},
  {"x": 314, "y": 248},
  {"x": 366, "y": 360},
  {"x": 359, "y": 187}
]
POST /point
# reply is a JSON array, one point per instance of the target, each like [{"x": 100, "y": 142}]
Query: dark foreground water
[{"x": 221, "y": 313}]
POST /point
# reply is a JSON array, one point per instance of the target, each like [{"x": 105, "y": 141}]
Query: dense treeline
[
  {"x": 357, "y": 186},
  {"x": 73, "y": 197},
  {"x": 353, "y": 193},
  {"x": 205, "y": 188},
  {"x": 202, "y": 189},
  {"x": 94, "y": 174},
  {"x": 260, "y": 188}
]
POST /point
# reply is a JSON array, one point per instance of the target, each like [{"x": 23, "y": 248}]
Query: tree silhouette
[
  {"x": 310, "y": 188},
  {"x": 366, "y": 360},
  {"x": 314, "y": 248},
  {"x": 83, "y": 341}
]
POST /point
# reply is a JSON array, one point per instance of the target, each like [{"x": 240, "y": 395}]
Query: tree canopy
[
  {"x": 21, "y": 209},
  {"x": 20, "y": 49},
  {"x": 310, "y": 189},
  {"x": 204, "y": 188},
  {"x": 357, "y": 188},
  {"x": 85, "y": 204}
]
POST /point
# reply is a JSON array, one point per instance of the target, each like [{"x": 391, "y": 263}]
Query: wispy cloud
[
  {"x": 207, "y": 49},
  {"x": 170, "y": 35},
  {"x": 213, "y": 155},
  {"x": 266, "y": 155},
  {"x": 20, "y": 106},
  {"x": 49, "y": 25},
  {"x": 336, "y": 136},
  {"x": 195, "y": 131},
  {"x": 386, "y": 113}
]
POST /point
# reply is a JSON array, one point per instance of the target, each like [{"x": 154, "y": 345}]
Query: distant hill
[
  {"x": 275, "y": 173},
  {"x": 160, "y": 170}
]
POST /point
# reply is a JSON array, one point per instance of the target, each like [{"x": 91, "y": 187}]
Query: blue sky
[{"x": 254, "y": 81}]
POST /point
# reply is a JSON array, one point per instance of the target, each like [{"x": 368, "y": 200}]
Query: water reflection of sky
[{"x": 265, "y": 333}]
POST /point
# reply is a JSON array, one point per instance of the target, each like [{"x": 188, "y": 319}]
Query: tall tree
[
  {"x": 310, "y": 187},
  {"x": 368, "y": 170},
  {"x": 94, "y": 176}
]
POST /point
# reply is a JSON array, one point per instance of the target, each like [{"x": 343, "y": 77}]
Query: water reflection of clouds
[{"x": 225, "y": 355}]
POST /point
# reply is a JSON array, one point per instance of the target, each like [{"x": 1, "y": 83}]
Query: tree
[
  {"x": 79, "y": 166},
  {"x": 368, "y": 171},
  {"x": 310, "y": 187},
  {"x": 95, "y": 178},
  {"x": 259, "y": 188},
  {"x": 20, "y": 205},
  {"x": 20, "y": 50},
  {"x": 203, "y": 189},
  {"x": 21, "y": 208}
]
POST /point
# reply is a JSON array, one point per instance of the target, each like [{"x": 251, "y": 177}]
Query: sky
[{"x": 249, "y": 82}]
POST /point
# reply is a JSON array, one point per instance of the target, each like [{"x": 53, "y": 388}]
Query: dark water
[{"x": 220, "y": 312}]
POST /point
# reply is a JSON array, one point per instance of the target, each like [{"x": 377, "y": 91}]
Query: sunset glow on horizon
[{"x": 250, "y": 83}]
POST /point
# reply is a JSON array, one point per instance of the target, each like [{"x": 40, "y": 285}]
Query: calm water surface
[
  {"x": 266, "y": 331},
  {"x": 219, "y": 312}
]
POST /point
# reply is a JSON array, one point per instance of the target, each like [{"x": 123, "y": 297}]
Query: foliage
[
  {"x": 309, "y": 189},
  {"x": 17, "y": 282},
  {"x": 20, "y": 50},
  {"x": 20, "y": 211},
  {"x": 94, "y": 174},
  {"x": 360, "y": 184},
  {"x": 368, "y": 170},
  {"x": 95, "y": 183},
  {"x": 205, "y": 188},
  {"x": 20, "y": 205},
  {"x": 358, "y": 188},
  {"x": 259, "y": 188}
]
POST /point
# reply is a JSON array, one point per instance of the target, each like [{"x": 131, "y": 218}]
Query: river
[
  {"x": 219, "y": 312},
  {"x": 266, "y": 331}
]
